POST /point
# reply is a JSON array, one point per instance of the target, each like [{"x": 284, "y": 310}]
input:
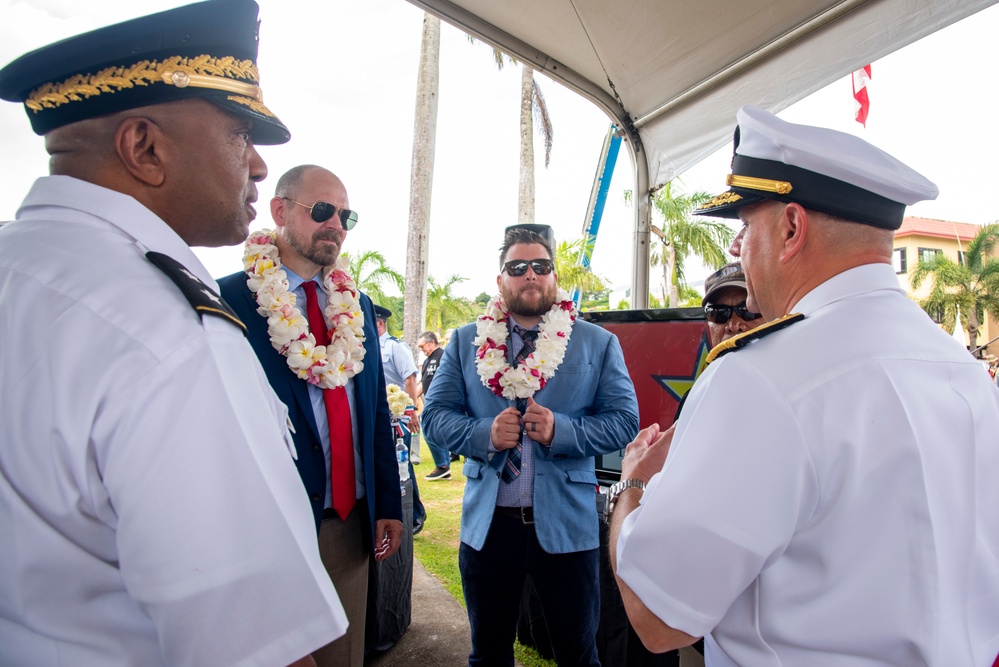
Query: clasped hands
[{"x": 537, "y": 422}]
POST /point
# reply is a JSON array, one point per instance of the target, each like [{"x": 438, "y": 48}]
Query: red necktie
[{"x": 338, "y": 416}]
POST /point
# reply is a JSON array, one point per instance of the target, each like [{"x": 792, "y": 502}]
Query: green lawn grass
[{"x": 436, "y": 547}]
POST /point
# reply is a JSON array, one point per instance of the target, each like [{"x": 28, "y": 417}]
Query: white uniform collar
[
  {"x": 120, "y": 210},
  {"x": 850, "y": 283}
]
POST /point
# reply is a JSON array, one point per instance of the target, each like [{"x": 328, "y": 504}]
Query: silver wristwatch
[{"x": 617, "y": 489}]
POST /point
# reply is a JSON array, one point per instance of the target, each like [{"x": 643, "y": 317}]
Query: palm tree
[
  {"x": 444, "y": 309},
  {"x": 684, "y": 235},
  {"x": 370, "y": 272},
  {"x": 571, "y": 274},
  {"x": 968, "y": 288},
  {"x": 421, "y": 180},
  {"x": 533, "y": 108}
]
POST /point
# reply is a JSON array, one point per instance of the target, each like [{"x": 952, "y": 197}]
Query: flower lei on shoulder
[
  {"x": 522, "y": 381},
  {"x": 326, "y": 366}
]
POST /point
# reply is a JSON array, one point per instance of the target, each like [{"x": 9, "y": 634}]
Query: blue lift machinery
[{"x": 598, "y": 198}]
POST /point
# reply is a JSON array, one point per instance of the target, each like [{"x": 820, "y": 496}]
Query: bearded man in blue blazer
[
  {"x": 529, "y": 395},
  {"x": 336, "y": 399}
]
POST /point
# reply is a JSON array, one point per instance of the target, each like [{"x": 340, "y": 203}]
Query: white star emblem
[
  {"x": 191, "y": 276},
  {"x": 211, "y": 295}
]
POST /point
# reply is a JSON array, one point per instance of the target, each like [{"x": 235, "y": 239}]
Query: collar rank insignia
[
  {"x": 746, "y": 337},
  {"x": 202, "y": 298}
]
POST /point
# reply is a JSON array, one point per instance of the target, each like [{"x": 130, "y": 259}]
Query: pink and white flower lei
[
  {"x": 329, "y": 366},
  {"x": 522, "y": 381}
]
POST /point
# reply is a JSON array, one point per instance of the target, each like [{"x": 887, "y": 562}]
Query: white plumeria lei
[
  {"x": 329, "y": 366},
  {"x": 522, "y": 381},
  {"x": 398, "y": 400}
]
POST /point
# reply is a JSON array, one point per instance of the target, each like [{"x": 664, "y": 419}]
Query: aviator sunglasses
[
  {"x": 722, "y": 314},
  {"x": 322, "y": 211},
  {"x": 518, "y": 267}
]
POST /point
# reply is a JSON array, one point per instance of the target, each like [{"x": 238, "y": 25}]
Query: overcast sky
[{"x": 342, "y": 76}]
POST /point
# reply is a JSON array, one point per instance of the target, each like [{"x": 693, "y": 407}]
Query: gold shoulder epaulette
[{"x": 746, "y": 337}]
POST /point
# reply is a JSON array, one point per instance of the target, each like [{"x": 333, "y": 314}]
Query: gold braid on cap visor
[
  {"x": 763, "y": 184},
  {"x": 199, "y": 72}
]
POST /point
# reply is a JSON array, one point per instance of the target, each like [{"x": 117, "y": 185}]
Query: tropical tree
[
  {"x": 968, "y": 288},
  {"x": 444, "y": 309},
  {"x": 421, "y": 179},
  {"x": 571, "y": 274},
  {"x": 533, "y": 109},
  {"x": 684, "y": 235},
  {"x": 371, "y": 272}
]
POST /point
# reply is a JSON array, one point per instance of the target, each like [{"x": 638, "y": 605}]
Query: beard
[
  {"x": 529, "y": 301},
  {"x": 323, "y": 254}
]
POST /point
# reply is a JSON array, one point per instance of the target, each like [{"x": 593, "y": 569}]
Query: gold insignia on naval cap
[
  {"x": 199, "y": 72},
  {"x": 763, "y": 184},
  {"x": 720, "y": 200}
]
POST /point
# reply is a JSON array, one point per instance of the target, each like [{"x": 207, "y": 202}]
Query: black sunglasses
[
  {"x": 518, "y": 267},
  {"x": 722, "y": 314},
  {"x": 322, "y": 211}
]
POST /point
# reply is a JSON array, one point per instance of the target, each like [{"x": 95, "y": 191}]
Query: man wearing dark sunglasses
[
  {"x": 724, "y": 304},
  {"x": 529, "y": 505},
  {"x": 312, "y": 213}
]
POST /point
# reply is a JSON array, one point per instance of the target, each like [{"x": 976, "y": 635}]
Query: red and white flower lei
[
  {"x": 522, "y": 381},
  {"x": 325, "y": 366}
]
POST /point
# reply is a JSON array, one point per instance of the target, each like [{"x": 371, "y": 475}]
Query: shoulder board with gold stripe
[
  {"x": 202, "y": 298},
  {"x": 746, "y": 337}
]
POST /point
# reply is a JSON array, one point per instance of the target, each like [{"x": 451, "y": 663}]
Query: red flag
[{"x": 860, "y": 79}]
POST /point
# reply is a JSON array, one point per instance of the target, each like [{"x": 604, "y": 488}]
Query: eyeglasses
[
  {"x": 322, "y": 211},
  {"x": 722, "y": 314},
  {"x": 518, "y": 267}
]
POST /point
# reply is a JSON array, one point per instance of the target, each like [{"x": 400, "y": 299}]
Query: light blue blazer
[{"x": 596, "y": 412}]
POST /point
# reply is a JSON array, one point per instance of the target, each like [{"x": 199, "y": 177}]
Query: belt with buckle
[{"x": 525, "y": 514}]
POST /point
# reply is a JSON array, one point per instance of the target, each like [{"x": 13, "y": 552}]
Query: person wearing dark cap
[
  {"x": 397, "y": 360},
  {"x": 724, "y": 304},
  {"x": 314, "y": 333},
  {"x": 848, "y": 521},
  {"x": 149, "y": 508},
  {"x": 400, "y": 370},
  {"x": 529, "y": 394}
]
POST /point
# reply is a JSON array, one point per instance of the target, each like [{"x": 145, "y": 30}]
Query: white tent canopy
[{"x": 672, "y": 73}]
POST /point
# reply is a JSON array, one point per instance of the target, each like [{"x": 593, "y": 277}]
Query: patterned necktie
[
  {"x": 512, "y": 468},
  {"x": 342, "y": 482}
]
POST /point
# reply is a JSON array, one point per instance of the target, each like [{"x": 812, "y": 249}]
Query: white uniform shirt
[
  {"x": 830, "y": 495},
  {"x": 150, "y": 512}
]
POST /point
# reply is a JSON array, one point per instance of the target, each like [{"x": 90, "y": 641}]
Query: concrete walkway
[{"x": 438, "y": 635}]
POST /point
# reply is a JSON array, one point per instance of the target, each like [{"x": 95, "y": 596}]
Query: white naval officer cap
[{"x": 823, "y": 170}]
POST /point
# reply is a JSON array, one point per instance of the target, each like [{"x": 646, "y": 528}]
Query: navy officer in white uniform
[
  {"x": 828, "y": 497},
  {"x": 150, "y": 511}
]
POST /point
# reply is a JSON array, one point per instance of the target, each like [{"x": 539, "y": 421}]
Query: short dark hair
[
  {"x": 428, "y": 336},
  {"x": 519, "y": 235}
]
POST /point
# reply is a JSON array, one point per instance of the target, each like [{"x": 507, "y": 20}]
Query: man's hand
[
  {"x": 388, "y": 537},
  {"x": 646, "y": 454},
  {"x": 505, "y": 431},
  {"x": 411, "y": 384},
  {"x": 539, "y": 422}
]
